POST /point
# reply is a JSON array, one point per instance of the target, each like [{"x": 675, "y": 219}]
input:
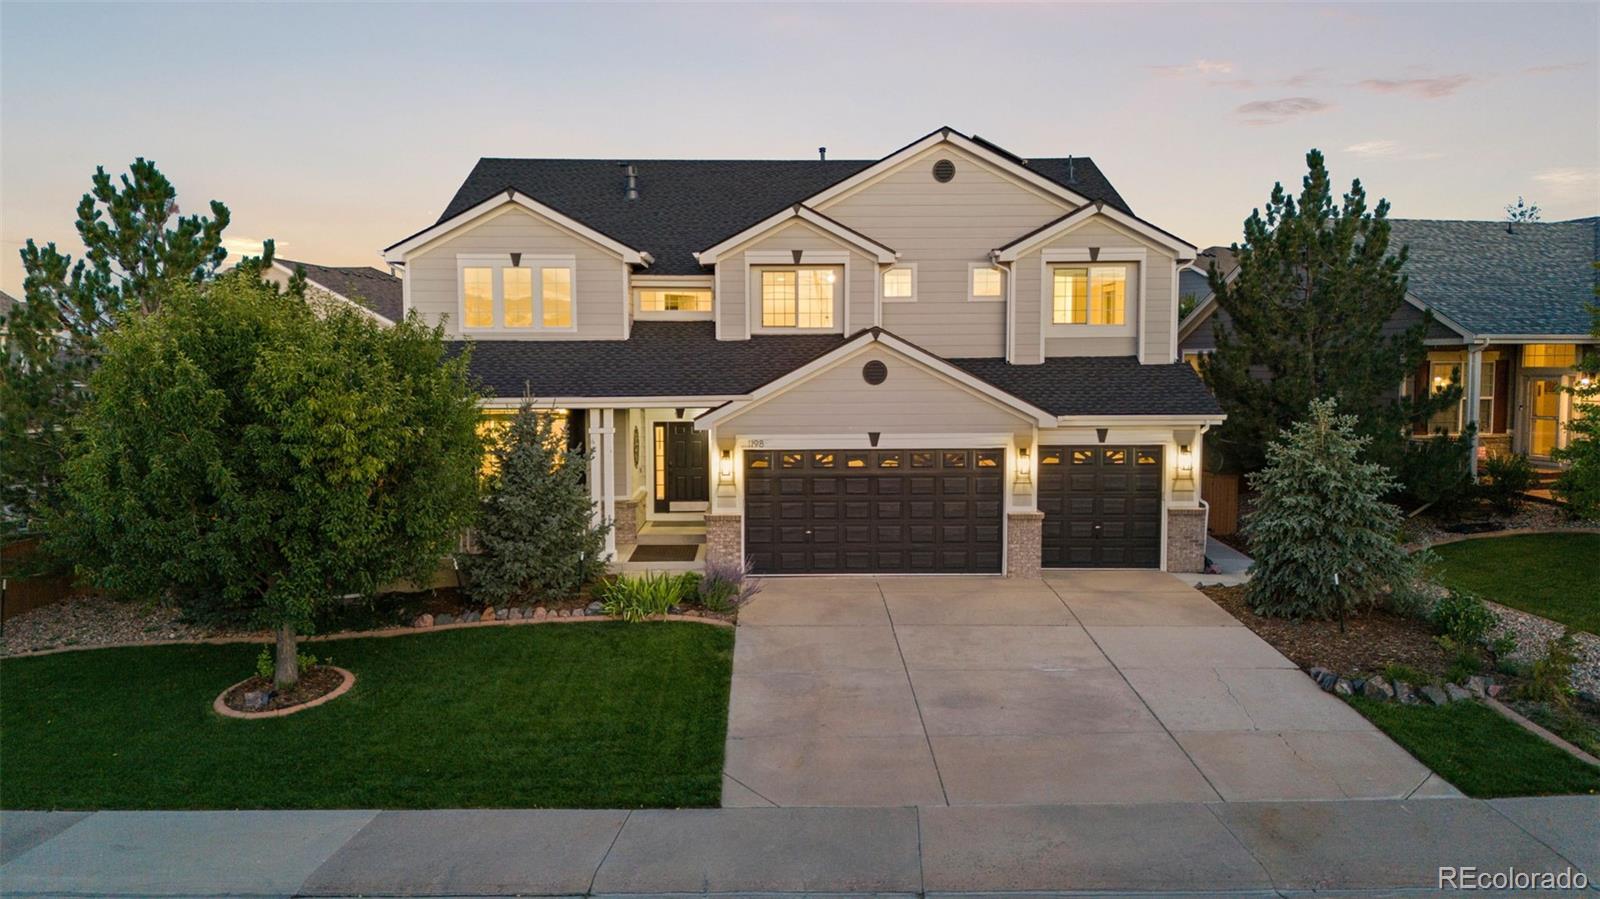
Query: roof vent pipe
[
  {"x": 822, "y": 153},
  {"x": 631, "y": 190},
  {"x": 1071, "y": 174}
]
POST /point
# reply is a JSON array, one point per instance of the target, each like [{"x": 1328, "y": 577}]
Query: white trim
[
  {"x": 973, "y": 297},
  {"x": 608, "y": 475},
  {"x": 614, "y": 402},
  {"x": 498, "y": 263},
  {"x": 398, "y": 252},
  {"x": 857, "y": 345},
  {"x": 1177, "y": 300},
  {"x": 883, "y": 273},
  {"x": 1079, "y": 421},
  {"x": 1579, "y": 339},
  {"x": 1082, "y": 215},
  {"x": 886, "y": 441},
  {"x": 714, "y": 253},
  {"x": 382, "y": 319},
  {"x": 1080, "y": 257},
  {"x": 959, "y": 141}
]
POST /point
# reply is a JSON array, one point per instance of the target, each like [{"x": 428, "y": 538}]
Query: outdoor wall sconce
[
  {"x": 1024, "y": 466},
  {"x": 1185, "y": 461},
  {"x": 725, "y": 467}
]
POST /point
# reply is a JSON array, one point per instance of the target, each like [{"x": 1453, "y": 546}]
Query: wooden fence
[
  {"x": 26, "y": 593},
  {"x": 1221, "y": 493}
]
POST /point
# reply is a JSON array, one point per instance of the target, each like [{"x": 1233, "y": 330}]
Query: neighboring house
[
  {"x": 1509, "y": 305},
  {"x": 951, "y": 359},
  {"x": 372, "y": 291},
  {"x": 1194, "y": 280},
  {"x": 8, "y": 305}
]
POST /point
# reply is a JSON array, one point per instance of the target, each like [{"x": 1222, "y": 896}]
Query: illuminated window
[
  {"x": 495, "y": 424},
  {"x": 855, "y": 460},
  {"x": 518, "y": 297},
  {"x": 1093, "y": 295},
  {"x": 955, "y": 460},
  {"x": 1115, "y": 457},
  {"x": 888, "y": 460},
  {"x": 1145, "y": 457},
  {"x": 822, "y": 460},
  {"x": 1083, "y": 457},
  {"x": 477, "y": 285},
  {"x": 1441, "y": 375},
  {"x": 1050, "y": 457},
  {"x": 676, "y": 299},
  {"x": 1549, "y": 355},
  {"x": 899, "y": 283},
  {"x": 986, "y": 282},
  {"x": 798, "y": 297},
  {"x": 661, "y": 462},
  {"x": 557, "y": 297}
]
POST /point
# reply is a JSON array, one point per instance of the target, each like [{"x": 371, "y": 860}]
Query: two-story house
[{"x": 948, "y": 360}]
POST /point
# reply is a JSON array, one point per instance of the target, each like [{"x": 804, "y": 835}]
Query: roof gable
[{"x": 374, "y": 290}]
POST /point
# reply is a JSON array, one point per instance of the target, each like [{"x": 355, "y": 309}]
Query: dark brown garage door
[
  {"x": 832, "y": 511},
  {"x": 1101, "y": 505}
]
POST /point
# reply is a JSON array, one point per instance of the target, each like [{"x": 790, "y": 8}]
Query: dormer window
[
  {"x": 1089, "y": 295},
  {"x": 800, "y": 297},
  {"x": 516, "y": 293}
]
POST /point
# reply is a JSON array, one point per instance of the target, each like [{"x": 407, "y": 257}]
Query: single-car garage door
[
  {"x": 1101, "y": 505},
  {"x": 867, "y": 511}
]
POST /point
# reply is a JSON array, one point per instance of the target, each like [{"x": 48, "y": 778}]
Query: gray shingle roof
[
  {"x": 1099, "y": 385},
  {"x": 687, "y": 205},
  {"x": 1491, "y": 278},
  {"x": 659, "y": 359},
  {"x": 377, "y": 290}
]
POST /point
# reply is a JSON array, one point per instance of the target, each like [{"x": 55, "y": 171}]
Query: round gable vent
[
  {"x": 943, "y": 171},
  {"x": 874, "y": 372}
]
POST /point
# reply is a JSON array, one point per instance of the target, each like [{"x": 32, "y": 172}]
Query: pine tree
[
  {"x": 536, "y": 527},
  {"x": 1324, "y": 541},
  {"x": 1579, "y": 483},
  {"x": 1316, "y": 284},
  {"x": 136, "y": 244}
]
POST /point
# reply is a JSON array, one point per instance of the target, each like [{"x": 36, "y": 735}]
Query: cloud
[
  {"x": 1302, "y": 79},
  {"x": 1388, "y": 149},
  {"x": 1238, "y": 84},
  {"x": 1568, "y": 179},
  {"x": 1271, "y": 112},
  {"x": 1430, "y": 88},
  {"x": 1201, "y": 67},
  {"x": 240, "y": 247},
  {"x": 1553, "y": 67}
]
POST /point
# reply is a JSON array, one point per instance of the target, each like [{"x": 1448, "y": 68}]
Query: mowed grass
[
  {"x": 1483, "y": 754},
  {"x": 581, "y": 715},
  {"x": 1553, "y": 575}
]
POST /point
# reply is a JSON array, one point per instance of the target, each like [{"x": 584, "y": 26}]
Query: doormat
[{"x": 667, "y": 552}]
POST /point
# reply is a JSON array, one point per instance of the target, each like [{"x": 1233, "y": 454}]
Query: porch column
[
  {"x": 603, "y": 472},
  {"x": 1474, "y": 389}
]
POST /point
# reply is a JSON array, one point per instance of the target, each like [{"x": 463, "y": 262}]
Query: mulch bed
[
  {"x": 1370, "y": 641},
  {"x": 315, "y": 683}
]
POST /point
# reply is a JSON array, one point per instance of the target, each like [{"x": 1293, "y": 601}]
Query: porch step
[{"x": 662, "y": 533}]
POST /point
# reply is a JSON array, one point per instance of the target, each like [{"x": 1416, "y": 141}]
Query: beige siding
[
  {"x": 913, "y": 400},
  {"x": 1160, "y": 301},
  {"x": 600, "y": 275},
  {"x": 738, "y": 293},
  {"x": 943, "y": 228}
]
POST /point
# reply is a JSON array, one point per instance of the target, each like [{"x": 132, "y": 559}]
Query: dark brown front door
[
  {"x": 866, "y": 511},
  {"x": 687, "y": 466},
  {"x": 1101, "y": 505}
]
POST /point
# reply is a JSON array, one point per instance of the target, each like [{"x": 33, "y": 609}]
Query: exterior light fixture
[
  {"x": 725, "y": 467},
  {"x": 1185, "y": 461},
  {"x": 1024, "y": 466}
]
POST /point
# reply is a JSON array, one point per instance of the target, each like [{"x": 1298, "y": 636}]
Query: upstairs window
[
  {"x": 533, "y": 294},
  {"x": 1089, "y": 295},
  {"x": 800, "y": 298},
  {"x": 900, "y": 283},
  {"x": 675, "y": 299},
  {"x": 988, "y": 282}
]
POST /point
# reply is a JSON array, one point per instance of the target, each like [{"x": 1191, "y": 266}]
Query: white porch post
[
  {"x": 1474, "y": 389},
  {"x": 603, "y": 471}
]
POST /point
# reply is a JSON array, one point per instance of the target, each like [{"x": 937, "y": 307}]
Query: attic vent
[
  {"x": 874, "y": 372},
  {"x": 943, "y": 171}
]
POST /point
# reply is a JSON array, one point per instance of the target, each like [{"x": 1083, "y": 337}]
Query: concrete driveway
[{"x": 1086, "y": 687}]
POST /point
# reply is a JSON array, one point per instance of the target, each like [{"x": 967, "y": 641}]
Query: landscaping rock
[
  {"x": 444, "y": 619},
  {"x": 256, "y": 700},
  {"x": 1405, "y": 693},
  {"x": 1456, "y": 692},
  {"x": 501, "y": 614},
  {"x": 527, "y": 611},
  {"x": 487, "y": 614},
  {"x": 1323, "y": 677},
  {"x": 423, "y": 620},
  {"x": 514, "y": 614},
  {"x": 1479, "y": 685},
  {"x": 594, "y": 608},
  {"x": 564, "y": 613},
  {"x": 1497, "y": 689},
  {"x": 1378, "y": 688},
  {"x": 1343, "y": 687},
  {"x": 541, "y": 613},
  {"x": 674, "y": 610},
  {"x": 1435, "y": 695}
]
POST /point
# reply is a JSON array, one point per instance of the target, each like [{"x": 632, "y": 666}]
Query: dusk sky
[{"x": 339, "y": 129}]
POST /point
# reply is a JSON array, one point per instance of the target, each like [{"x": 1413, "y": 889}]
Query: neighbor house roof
[
  {"x": 687, "y": 205},
  {"x": 8, "y": 303},
  {"x": 377, "y": 290},
  {"x": 1492, "y": 278},
  {"x": 1099, "y": 385}
]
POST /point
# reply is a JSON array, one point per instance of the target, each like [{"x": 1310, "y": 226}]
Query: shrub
[
  {"x": 1505, "y": 479},
  {"x": 1579, "y": 483},
  {"x": 638, "y": 598},
  {"x": 536, "y": 526},
  {"x": 1325, "y": 543},
  {"x": 1397, "y": 672},
  {"x": 1435, "y": 473},
  {"x": 725, "y": 587},
  {"x": 1550, "y": 676},
  {"x": 1462, "y": 617}
]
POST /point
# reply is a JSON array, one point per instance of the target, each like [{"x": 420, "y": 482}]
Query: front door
[
  {"x": 683, "y": 484},
  {"x": 1544, "y": 415}
]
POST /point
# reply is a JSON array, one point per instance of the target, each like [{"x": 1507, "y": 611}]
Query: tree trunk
[{"x": 287, "y": 672}]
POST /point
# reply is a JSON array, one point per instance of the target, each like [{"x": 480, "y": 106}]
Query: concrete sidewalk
[{"x": 1238, "y": 848}]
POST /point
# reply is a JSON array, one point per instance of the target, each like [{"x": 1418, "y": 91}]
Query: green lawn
[
  {"x": 1554, "y": 575},
  {"x": 597, "y": 715},
  {"x": 1483, "y": 754}
]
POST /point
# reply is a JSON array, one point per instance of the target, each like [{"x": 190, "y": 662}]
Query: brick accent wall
[
  {"x": 724, "y": 539},
  {"x": 630, "y": 517},
  {"x": 1496, "y": 444},
  {"x": 1024, "y": 546},
  {"x": 1186, "y": 539}
]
